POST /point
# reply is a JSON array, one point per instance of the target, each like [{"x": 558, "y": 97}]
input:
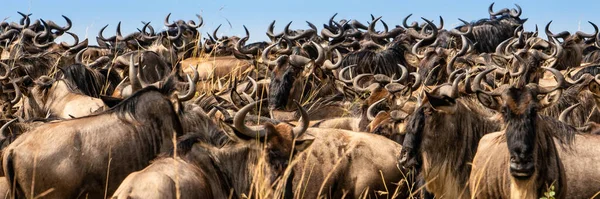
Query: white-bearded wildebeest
[
  {"x": 441, "y": 139},
  {"x": 533, "y": 152},
  {"x": 58, "y": 98},
  {"x": 90, "y": 156},
  {"x": 206, "y": 171}
]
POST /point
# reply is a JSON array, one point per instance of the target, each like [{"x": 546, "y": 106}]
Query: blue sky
[{"x": 89, "y": 16}]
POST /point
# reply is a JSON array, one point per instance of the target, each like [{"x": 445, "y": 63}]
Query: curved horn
[
  {"x": 215, "y": 32},
  {"x": 191, "y": 23},
  {"x": 521, "y": 66},
  {"x": 36, "y": 44},
  {"x": 170, "y": 25},
  {"x": 18, "y": 93},
  {"x": 53, "y": 25},
  {"x": 477, "y": 82},
  {"x": 177, "y": 36},
  {"x": 585, "y": 35},
  {"x": 265, "y": 54},
  {"x": 500, "y": 12},
  {"x": 355, "y": 81},
  {"x": 75, "y": 42},
  {"x": 321, "y": 53},
  {"x": 454, "y": 92},
  {"x": 240, "y": 45},
  {"x": 192, "y": 88},
  {"x": 239, "y": 121},
  {"x": 370, "y": 115},
  {"x": 254, "y": 86},
  {"x": 270, "y": 31},
  {"x": 463, "y": 51},
  {"x": 341, "y": 74},
  {"x": 5, "y": 126},
  {"x": 562, "y": 34},
  {"x": 327, "y": 33},
  {"x": 337, "y": 65},
  {"x": 24, "y": 22},
  {"x": 148, "y": 35},
  {"x": 565, "y": 113},
  {"x": 469, "y": 28},
  {"x": 403, "y": 76},
  {"x": 79, "y": 55},
  {"x": 303, "y": 122},
  {"x": 413, "y": 25},
  {"x": 516, "y": 13},
  {"x": 560, "y": 81},
  {"x": 101, "y": 37},
  {"x": 418, "y": 81},
  {"x": 299, "y": 60}
]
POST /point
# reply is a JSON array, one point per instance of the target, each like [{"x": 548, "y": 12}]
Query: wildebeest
[
  {"x": 60, "y": 98},
  {"x": 208, "y": 171},
  {"x": 90, "y": 156},
  {"x": 532, "y": 152},
  {"x": 441, "y": 139},
  {"x": 293, "y": 79},
  {"x": 488, "y": 33}
]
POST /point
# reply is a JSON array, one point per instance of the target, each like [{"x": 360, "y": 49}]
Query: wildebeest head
[
  {"x": 221, "y": 46},
  {"x": 282, "y": 140},
  {"x": 527, "y": 62},
  {"x": 526, "y": 133},
  {"x": 572, "y": 44},
  {"x": 488, "y": 33},
  {"x": 438, "y": 112},
  {"x": 291, "y": 78}
]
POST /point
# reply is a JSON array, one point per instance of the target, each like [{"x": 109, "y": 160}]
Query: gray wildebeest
[
  {"x": 90, "y": 156},
  {"x": 533, "y": 152}
]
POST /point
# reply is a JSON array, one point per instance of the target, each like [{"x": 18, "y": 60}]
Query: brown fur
[
  {"x": 347, "y": 162},
  {"x": 490, "y": 177},
  {"x": 448, "y": 141},
  {"x": 58, "y": 100},
  {"x": 72, "y": 156}
]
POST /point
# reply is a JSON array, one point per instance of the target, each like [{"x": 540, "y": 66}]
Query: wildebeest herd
[{"x": 483, "y": 110}]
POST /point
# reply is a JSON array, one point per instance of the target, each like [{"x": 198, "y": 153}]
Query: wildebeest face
[
  {"x": 519, "y": 112},
  {"x": 284, "y": 82},
  {"x": 225, "y": 46},
  {"x": 432, "y": 67}
]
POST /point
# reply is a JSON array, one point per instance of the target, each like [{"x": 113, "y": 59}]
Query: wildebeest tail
[{"x": 9, "y": 171}]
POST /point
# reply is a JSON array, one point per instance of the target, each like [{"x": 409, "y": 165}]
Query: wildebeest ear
[
  {"x": 594, "y": 87},
  {"x": 444, "y": 103},
  {"x": 110, "y": 101},
  {"x": 488, "y": 101},
  {"x": 302, "y": 143},
  {"x": 176, "y": 103},
  {"x": 550, "y": 98}
]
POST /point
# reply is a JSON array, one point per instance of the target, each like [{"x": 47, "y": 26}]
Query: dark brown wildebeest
[
  {"x": 591, "y": 54},
  {"x": 533, "y": 151},
  {"x": 90, "y": 156},
  {"x": 206, "y": 171},
  {"x": 292, "y": 78},
  {"x": 489, "y": 33},
  {"x": 572, "y": 46},
  {"x": 441, "y": 139}
]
